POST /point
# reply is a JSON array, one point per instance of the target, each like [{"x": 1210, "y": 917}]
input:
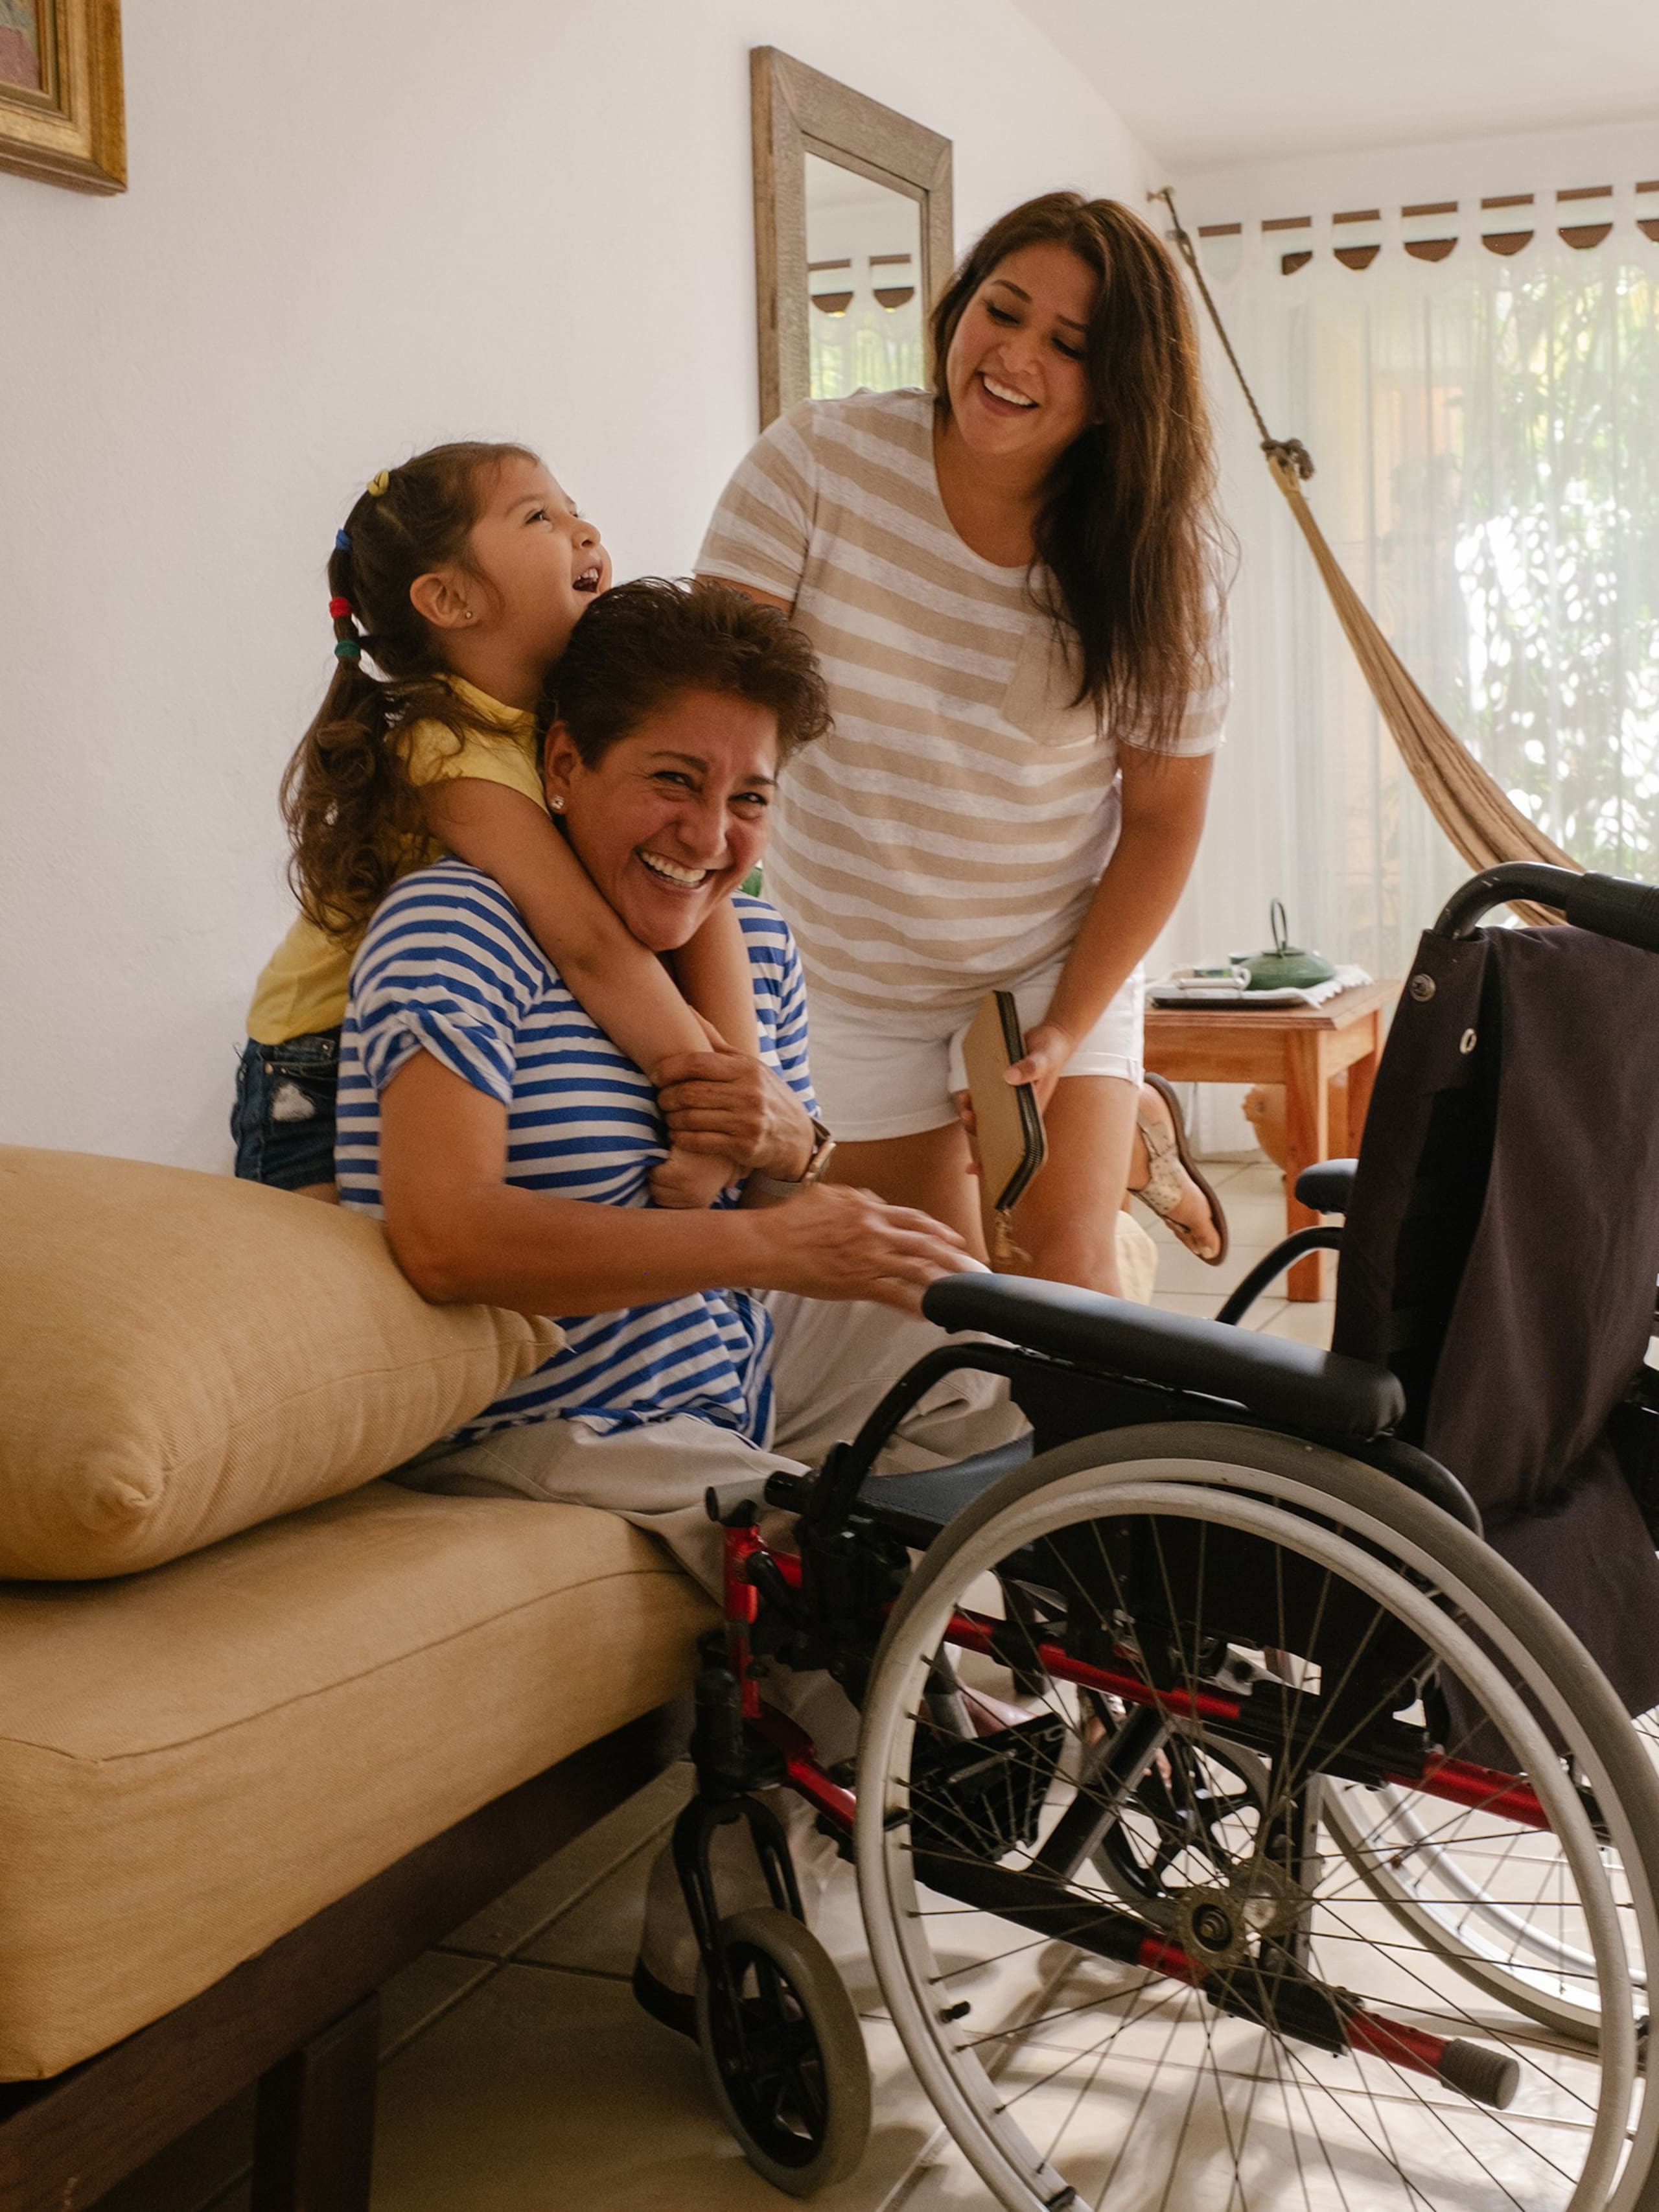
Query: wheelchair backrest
[
  {"x": 1502, "y": 1237},
  {"x": 1424, "y": 1164}
]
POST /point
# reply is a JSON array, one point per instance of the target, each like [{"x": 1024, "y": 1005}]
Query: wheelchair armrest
[
  {"x": 1328, "y": 1187},
  {"x": 1315, "y": 1392}
]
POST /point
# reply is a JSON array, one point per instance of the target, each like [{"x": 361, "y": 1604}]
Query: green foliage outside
[{"x": 1526, "y": 551}]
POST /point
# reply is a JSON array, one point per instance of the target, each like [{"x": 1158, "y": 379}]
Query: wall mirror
[{"x": 853, "y": 236}]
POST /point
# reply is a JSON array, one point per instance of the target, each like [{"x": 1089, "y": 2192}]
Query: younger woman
[
  {"x": 461, "y": 576},
  {"x": 1013, "y": 583}
]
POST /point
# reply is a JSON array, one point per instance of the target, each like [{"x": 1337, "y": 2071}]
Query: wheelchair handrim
[{"x": 1189, "y": 1487}]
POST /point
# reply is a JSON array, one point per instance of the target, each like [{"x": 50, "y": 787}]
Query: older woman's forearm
[
  {"x": 462, "y": 1234},
  {"x": 462, "y": 1238},
  {"x": 497, "y": 1244},
  {"x": 533, "y": 1253}
]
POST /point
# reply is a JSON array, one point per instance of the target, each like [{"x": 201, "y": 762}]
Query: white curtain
[{"x": 1486, "y": 430}]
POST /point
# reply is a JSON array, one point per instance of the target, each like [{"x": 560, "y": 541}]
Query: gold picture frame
[
  {"x": 62, "y": 115},
  {"x": 797, "y": 111}
]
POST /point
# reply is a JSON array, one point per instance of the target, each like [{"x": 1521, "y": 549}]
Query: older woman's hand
[
  {"x": 729, "y": 1103},
  {"x": 842, "y": 1243}
]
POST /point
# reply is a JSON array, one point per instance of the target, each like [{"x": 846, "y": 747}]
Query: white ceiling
[{"x": 1203, "y": 83}]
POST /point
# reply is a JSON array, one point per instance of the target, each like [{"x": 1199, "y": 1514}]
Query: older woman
[
  {"x": 509, "y": 1142},
  {"x": 1011, "y": 584}
]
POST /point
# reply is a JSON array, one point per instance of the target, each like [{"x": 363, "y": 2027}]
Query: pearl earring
[{"x": 558, "y": 805}]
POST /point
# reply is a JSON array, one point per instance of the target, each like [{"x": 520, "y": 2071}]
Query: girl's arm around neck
[
  {"x": 625, "y": 989},
  {"x": 714, "y": 974}
]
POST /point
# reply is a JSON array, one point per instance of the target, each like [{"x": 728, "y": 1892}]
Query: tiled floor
[
  {"x": 518, "y": 2074},
  {"x": 1253, "y": 1193}
]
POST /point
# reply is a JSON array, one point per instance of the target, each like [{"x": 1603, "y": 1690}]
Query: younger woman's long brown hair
[
  {"x": 1128, "y": 529},
  {"x": 351, "y": 808}
]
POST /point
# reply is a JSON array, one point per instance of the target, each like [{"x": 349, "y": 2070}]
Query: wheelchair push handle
[{"x": 1611, "y": 906}]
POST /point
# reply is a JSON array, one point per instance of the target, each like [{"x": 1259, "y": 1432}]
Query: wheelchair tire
[
  {"x": 1584, "y": 2137},
  {"x": 791, "y": 2080}
]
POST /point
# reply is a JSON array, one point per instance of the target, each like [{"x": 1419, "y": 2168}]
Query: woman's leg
[
  {"x": 1178, "y": 1194},
  {"x": 932, "y": 1171},
  {"x": 1066, "y": 1223}
]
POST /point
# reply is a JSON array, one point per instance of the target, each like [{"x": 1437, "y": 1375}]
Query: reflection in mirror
[
  {"x": 863, "y": 193},
  {"x": 864, "y": 277}
]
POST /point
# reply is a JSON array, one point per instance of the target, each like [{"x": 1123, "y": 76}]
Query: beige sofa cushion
[
  {"x": 185, "y": 1356},
  {"x": 195, "y": 1760}
]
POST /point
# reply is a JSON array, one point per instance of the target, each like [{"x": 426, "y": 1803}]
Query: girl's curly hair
[{"x": 347, "y": 800}]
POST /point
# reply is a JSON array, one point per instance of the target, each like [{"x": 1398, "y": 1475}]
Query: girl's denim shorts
[{"x": 284, "y": 1118}]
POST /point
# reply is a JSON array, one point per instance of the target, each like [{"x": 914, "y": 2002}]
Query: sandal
[{"x": 1167, "y": 1155}]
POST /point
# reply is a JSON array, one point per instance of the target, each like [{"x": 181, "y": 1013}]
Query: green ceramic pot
[{"x": 1286, "y": 967}]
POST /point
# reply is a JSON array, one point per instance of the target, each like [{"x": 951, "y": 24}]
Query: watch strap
[{"x": 766, "y": 1186}]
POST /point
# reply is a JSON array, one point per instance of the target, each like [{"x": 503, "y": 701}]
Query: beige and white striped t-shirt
[{"x": 946, "y": 837}]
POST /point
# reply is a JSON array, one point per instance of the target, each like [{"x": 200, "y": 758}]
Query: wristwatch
[{"x": 823, "y": 1145}]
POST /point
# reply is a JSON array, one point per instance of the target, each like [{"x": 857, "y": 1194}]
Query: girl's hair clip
[
  {"x": 341, "y": 543},
  {"x": 348, "y": 649},
  {"x": 377, "y": 484}
]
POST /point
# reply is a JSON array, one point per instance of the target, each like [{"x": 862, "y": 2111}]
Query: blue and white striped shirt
[{"x": 448, "y": 965}]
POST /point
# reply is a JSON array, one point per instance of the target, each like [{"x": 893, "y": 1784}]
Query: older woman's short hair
[{"x": 645, "y": 644}]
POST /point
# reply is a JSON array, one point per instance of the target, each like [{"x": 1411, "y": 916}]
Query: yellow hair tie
[{"x": 377, "y": 484}]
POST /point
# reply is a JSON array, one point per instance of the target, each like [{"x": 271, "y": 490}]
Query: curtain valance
[{"x": 1504, "y": 223}]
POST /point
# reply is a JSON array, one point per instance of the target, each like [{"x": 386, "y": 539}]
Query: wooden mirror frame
[{"x": 798, "y": 111}]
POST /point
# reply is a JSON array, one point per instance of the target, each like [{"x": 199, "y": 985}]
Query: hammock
[{"x": 1475, "y": 812}]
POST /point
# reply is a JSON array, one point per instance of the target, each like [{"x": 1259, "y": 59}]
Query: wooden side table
[{"x": 1301, "y": 1047}]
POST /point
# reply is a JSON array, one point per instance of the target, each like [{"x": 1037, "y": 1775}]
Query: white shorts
[{"x": 880, "y": 1076}]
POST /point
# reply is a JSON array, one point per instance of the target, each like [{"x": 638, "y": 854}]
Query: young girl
[{"x": 461, "y": 574}]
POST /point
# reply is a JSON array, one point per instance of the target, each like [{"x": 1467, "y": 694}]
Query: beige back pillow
[{"x": 182, "y": 1356}]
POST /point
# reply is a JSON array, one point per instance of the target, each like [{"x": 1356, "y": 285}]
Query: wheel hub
[
  {"x": 1215, "y": 1924},
  {"x": 1211, "y": 1928}
]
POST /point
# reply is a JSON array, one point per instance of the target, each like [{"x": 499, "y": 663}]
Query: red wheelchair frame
[{"x": 742, "y": 1743}]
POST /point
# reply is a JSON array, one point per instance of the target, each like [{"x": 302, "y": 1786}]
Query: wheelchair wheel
[
  {"x": 789, "y": 2072},
  {"x": 1118, "y": 1956}
]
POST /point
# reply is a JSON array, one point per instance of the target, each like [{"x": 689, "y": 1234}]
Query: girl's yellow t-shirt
[{"x": 303, "y": 985}]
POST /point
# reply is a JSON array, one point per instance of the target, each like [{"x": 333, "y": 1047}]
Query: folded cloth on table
[{"x": 1197, "y": 986}]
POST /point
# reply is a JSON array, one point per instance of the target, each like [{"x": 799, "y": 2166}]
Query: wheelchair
[{"x": 1233, "y": 1828}]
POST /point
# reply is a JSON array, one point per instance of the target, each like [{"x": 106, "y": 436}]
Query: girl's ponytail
[{"x": 350, "y": 809}]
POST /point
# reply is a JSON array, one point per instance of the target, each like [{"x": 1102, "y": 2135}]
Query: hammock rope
[{"x": 1476, "y": 813}]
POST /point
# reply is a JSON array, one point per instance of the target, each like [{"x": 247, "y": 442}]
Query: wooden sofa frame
[{"x": 302, "y": 2018}]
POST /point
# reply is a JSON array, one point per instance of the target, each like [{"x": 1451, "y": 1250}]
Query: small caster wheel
[{"x": 788, "y": 2072}]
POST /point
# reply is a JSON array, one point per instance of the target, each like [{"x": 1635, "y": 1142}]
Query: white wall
[{"x": 355, "y": 227}]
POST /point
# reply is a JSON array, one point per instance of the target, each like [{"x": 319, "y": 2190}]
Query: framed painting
[{"x": 61, "y": 112}]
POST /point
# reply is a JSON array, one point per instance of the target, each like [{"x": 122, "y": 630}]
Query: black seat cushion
[
  {"x": 915, "y": 1507},
  {"x": 1295, "y": 1387}
]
